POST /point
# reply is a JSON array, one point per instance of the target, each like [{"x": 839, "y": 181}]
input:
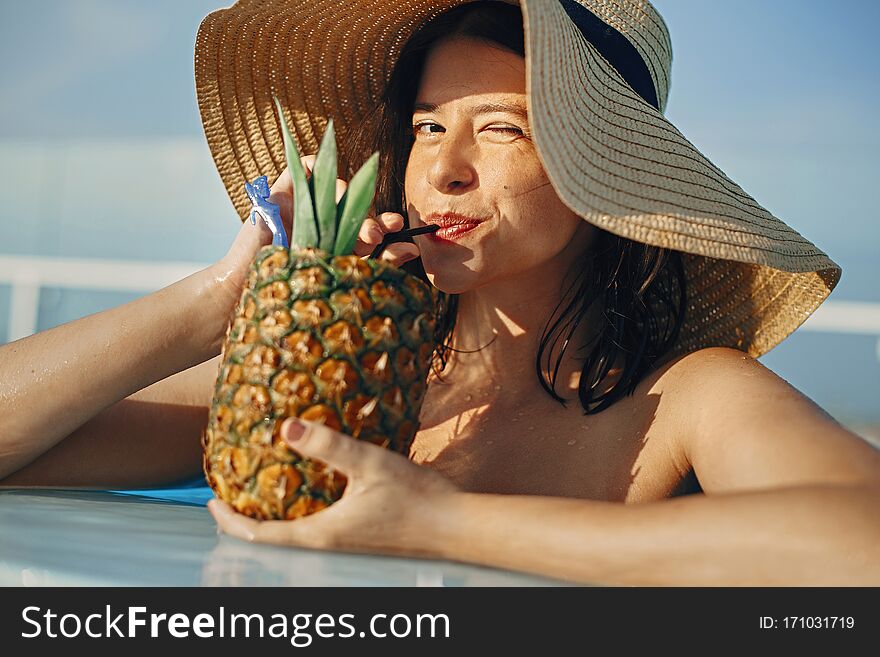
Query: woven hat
[{"x": 597, "y": 81}]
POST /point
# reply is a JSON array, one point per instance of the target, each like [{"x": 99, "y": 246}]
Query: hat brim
[{"x": 612, "y": 158}]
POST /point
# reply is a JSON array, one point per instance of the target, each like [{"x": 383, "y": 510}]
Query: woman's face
[{"x": 483, "y": 164}]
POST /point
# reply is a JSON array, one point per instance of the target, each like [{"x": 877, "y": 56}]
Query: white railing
[
  {"x": 28, "y": 275},
  {"x": 853, "y": 317}
]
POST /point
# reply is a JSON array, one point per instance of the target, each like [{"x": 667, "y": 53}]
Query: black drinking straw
[{"x": 400, "y": 236}]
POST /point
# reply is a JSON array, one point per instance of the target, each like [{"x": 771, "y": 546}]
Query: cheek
[
  {"x": 537, "y": 218},
  {"x": 535, "y": 224},
  {"x": 414, "y": 176},
  {"x": 541, "y": 237}
]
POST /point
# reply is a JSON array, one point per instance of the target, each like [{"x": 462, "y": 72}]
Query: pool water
[
  {"x": 167, "y": 538},
  {"x": 195, "y": 493}
]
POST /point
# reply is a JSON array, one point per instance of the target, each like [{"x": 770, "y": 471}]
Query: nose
[{"x": 452, "y": 169}]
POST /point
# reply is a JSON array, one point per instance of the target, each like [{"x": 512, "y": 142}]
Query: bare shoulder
[
  {"x": 742, "y": 426},
  {"x": 723, "y": 376}
]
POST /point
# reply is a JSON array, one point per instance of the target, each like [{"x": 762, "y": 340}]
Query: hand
[
  {"x": 390, "y": 504},
  {"x": 230, "y": 273}
]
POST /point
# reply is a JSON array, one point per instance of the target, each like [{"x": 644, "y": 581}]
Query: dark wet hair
[{"x": 641, "y": 287}]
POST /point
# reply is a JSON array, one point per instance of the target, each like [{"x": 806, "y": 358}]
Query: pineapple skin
[{"x": 332, "y": 339}]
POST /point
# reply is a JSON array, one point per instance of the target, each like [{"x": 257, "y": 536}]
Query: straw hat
[{"x": 597, "y": 80}]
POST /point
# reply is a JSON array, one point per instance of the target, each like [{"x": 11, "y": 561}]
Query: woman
[
  {"x": 515, "y": 477},
  {"x": 537, "y": 458}
]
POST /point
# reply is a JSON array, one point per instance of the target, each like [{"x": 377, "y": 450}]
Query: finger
[
  {"x": 399, "y": 253},
  {"x": 369, "y": 234},
  {"x": 341, "y": 186},
  {"x": 391, "y": 222},
  {"x": 284, "y": 183},
  {"x": 396, "y": 253},
  {"x": 313, "y": 531},
  {"x": 281, "y": 194},
  {"x": 373, "y": 230},
  {"x": 308, "y": 162},
  {"x": 338, "y": 450},
  {"x": 231, "y": 522}
]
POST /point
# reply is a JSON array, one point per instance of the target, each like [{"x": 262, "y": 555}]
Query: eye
[
  {"x": 505, "y": 129},
  {"x": 418, "y": 126}
]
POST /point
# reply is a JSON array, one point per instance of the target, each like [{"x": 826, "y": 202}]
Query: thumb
[
  {"x": 281, "y": 192},
  {"x": 318, "y": 441},
  {"x": 249, "y": 239}
]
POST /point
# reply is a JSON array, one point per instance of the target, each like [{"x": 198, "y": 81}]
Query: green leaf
[
  {"x": 324, "y": 185},
  {"x": 305, "y": 229},
  {"x": 355, "y": 204}
]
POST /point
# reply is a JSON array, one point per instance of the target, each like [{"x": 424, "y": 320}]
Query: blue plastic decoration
[{"x": 258, "y": 193}]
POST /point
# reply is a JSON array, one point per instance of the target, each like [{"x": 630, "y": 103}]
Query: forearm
[
  {"x": 818, "y": 535},
  {"x": 54, "y": 381}
]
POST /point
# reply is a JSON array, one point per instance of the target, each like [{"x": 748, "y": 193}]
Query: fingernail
[{"x": 292, "y": 430}]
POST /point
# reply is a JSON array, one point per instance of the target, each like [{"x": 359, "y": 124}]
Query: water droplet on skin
[
  {"x": 582, "y": 446},
  {"x": 516, "y": 419},
  {"x": 572, "y": 442},
  {"x": 489, "y": 442},
  {"x": 497, "y": 387},
  {"x": 531, "y": 428},
  {"x": 468, "y": 397}
]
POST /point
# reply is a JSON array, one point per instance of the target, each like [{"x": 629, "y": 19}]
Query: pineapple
[{"x": 321, "y": 334}]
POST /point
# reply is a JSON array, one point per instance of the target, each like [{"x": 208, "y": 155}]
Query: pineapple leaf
[
  {"x": 324, "y": 186},
  {"x": 355, "y": 204},
  {"x": 305, "y": 228}
]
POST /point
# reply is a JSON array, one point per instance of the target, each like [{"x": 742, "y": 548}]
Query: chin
[
  {"x": 452, "y": 276},
  {"x": 448, "y": 284}
]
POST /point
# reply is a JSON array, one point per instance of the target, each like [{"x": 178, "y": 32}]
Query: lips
[
  {"x": 452, "y": 225},
  {"x": 452, "y": 233},
  {"x": 449, "y": 219}
]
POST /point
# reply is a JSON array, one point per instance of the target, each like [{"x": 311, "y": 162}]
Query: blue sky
[
  {"x": 99, "y": 67},
  {"x": 765, "y": 69}
]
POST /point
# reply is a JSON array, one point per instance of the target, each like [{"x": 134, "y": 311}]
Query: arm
[
  {"x": 81, "y": 378},
  {"x": 806, "y": 535},
  {"x": 150, "y": 438},
  {"x": 791, "y": 498},
  {"x": 72, "y": 401},
  {"x": 54, "y": 382}
]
